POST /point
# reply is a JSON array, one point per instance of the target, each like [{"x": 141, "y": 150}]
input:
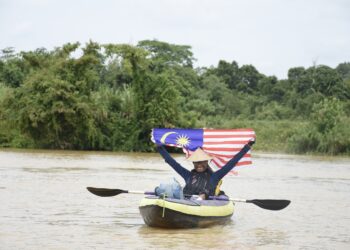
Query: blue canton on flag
[{"x": 190, "y": 139}]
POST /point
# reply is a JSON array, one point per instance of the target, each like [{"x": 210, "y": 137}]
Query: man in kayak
[{"x": 201, "y": 180}]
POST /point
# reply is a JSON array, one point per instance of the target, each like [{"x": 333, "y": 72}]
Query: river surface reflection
[{"x": 45, "y": 205}]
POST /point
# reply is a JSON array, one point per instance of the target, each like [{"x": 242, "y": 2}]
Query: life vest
[
  {"x": 199, "y": 183},
  {"x": 217, "y": 189}
]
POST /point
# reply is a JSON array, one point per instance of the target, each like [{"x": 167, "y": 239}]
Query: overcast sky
[{"x": 272, "y": 35}]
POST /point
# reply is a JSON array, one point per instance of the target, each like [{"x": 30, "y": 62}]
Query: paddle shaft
[
  {"x": 140, "y": 192},
  {"x": 266, "y": 204},
  {"x": 237, "y": 200}
]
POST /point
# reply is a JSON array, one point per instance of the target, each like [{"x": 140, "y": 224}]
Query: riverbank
[
  {"x": 256, "y": 153},
  {"x": 276, "y": 137}
]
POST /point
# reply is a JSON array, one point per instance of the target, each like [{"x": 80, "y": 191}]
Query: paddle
[
  {"x": 266, "y": 204},
  {"x": 107, "y": 192}
]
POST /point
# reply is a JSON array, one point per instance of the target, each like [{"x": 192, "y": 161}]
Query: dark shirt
[{"x": 207, "y": 180}]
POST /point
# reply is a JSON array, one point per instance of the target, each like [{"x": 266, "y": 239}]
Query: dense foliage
[{"x": 112, "y": 95}]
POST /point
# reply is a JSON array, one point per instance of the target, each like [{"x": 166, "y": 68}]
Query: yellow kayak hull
[{"x": 175, "y": 213}]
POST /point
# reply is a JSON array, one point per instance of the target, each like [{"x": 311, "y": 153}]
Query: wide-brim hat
[{"x": 199, "y": 155}]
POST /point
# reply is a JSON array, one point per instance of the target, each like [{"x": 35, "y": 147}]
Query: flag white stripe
[
  {"x": 226, "y": 159},
  {"x": 206, "y": 132},
  {"x": 228, "y": 153},
  {"x": 227, "y": 139},
  {"x": 223, "y": 146},
  {"x": 220, "y": 162}
]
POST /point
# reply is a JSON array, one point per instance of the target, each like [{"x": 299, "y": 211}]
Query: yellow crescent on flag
[{"x": 162, "y": 140}]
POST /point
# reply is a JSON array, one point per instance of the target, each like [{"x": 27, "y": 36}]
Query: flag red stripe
[
  {"x": 225, "y": 142},
  {"x": 222, "y": 149},
  {"x": 228, "y": 136},
  {"x": 228, "y": 156},
  {"x": 240, "y": 163},
  {"x": 229, "y": 130},
  {"x": 223, "y": 160}
]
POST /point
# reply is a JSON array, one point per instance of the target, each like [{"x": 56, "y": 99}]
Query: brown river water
[{"x": 44, "y": 203}]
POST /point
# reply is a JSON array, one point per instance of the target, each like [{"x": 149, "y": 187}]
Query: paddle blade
[
  {"x": 270, "y": 204},
  {"x": 106, "y": 192}
]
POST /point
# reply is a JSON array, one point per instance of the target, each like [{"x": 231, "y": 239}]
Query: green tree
[
  {"x": 52, "y": 113},
  {"x": 301, "y": 80},
  {"x": 249, "y": 78},
  {"x": 228, "y": 72},
  {"x": 53, "y": 105},
  {"x": 327, "y": 81},
  {"x": 327, "y": 114},
  {"x": 12, "y": 71},
  {"x": 327, "y": 132},
  {"x": 208, "y": 97},
  {"x": 115, "y": 75},
  {"x": 165, "y": 54},
  {"x": 273, "y": 89},
  {"x": 155, "y": 99},
  {"x": 343, "y": 70},
  {"x": 176, "y": 62}
]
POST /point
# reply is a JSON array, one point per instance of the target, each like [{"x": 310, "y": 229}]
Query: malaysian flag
[{"x": 221, "y": 144}]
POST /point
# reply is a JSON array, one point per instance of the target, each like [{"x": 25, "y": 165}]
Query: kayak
[{"x": 176, "y": 213}]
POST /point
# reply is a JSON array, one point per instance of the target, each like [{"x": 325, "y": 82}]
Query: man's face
[{"x": 200, "y": 166}]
